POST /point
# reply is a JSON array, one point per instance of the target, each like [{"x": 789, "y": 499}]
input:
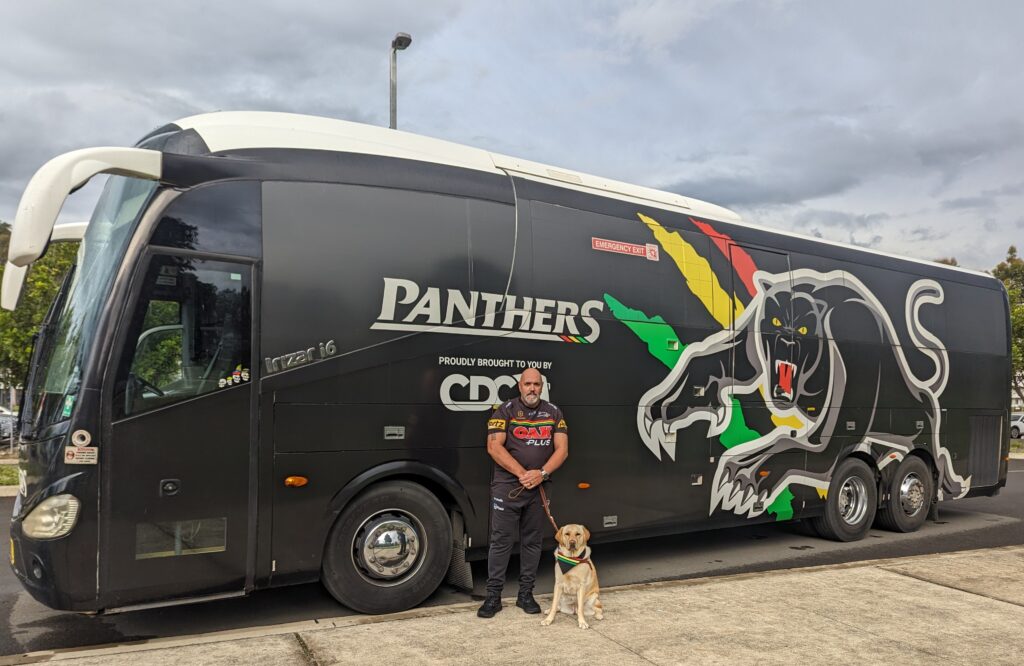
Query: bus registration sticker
[{"x": 81, "y": 455}]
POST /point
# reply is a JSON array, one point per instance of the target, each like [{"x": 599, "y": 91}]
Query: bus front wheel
[
  {"x": 851, "y": 504},
  {"x": 389, "y": 549}
]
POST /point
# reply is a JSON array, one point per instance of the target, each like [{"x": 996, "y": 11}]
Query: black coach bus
[{"x": 275, "y": 358}]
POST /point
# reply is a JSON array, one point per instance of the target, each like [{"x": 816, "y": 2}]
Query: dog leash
[{"x": 544, "y": 502}]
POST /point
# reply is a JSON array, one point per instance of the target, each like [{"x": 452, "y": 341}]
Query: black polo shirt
[{"x": 529, "y": 433}]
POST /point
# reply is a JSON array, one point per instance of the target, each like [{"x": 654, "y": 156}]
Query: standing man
[{"x": 528, "y": 440}]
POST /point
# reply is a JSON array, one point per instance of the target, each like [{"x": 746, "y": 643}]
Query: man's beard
[{"x": 531, "y": 400}]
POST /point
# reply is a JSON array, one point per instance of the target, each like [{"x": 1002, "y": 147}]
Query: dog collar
[{"x": 566, "y": 563}]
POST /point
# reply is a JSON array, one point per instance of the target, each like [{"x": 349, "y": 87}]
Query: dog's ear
[
  {"x": 586, "y": 533},
  {"x": 558, "y": 536}
]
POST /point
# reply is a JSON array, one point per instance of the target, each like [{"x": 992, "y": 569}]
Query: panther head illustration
[
  {"x": 779, "y": 350},
  {"x": 792, "y": 331}
]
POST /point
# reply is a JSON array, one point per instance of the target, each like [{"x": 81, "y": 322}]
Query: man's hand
[{"x": 531, "y": 478}]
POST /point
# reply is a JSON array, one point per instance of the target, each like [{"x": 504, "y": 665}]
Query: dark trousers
[{"x": 522, "y": 517}]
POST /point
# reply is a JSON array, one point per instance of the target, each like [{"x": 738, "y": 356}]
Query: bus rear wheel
[
  {"x": 910, "y": 497},
  {"x": 851, "y": 504},
  {"x": 389, "y": 549}
]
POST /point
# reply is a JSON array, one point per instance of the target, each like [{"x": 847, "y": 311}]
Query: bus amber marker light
[
  {"x": 296, "y": 481},
  {"x": 582, "y": 486}
]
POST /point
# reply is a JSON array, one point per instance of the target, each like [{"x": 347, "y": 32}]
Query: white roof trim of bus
[{"x": 233, "y": 130}]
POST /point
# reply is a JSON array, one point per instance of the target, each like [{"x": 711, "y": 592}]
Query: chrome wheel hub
[
  {"x": 387, "y": 547},
  {"x": 911, "y": 494},
  {"x": 853, "y": 503}
]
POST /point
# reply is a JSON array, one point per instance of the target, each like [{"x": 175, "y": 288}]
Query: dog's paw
[
  {"x": 584, "y": 625},
  {"x": 546, "y": 621}
]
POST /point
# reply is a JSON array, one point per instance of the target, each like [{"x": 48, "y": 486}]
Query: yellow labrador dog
[{"x": 576, "y": 590}]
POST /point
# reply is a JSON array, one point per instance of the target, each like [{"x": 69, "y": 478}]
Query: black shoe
[
  {"x": 526, "y": 601},
  {"x": 492, "y": 604}
]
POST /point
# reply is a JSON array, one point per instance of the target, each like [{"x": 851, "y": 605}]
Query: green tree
[
  {"x": 1011, "y": 272},
  {"x": 18, "y": 327}
]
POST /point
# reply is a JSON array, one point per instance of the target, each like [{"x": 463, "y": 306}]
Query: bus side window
[
  {"x": 158, "y": 352},
  {"x": 189, "y": 334}
]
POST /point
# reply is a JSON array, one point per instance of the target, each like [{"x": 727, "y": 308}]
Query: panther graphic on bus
[{"x": 781, "y": 352}]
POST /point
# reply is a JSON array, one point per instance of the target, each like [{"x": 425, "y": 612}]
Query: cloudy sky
[{"x": 894, "y": 125}]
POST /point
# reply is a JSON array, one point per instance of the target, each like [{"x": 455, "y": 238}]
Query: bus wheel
[
  {"x": 389, "y": 549},
  {"x": 851, "y": 504},
  {"x": 910, "y": 497}
]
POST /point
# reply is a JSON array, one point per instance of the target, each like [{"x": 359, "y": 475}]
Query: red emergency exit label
[{"x": 648, "y": 251}]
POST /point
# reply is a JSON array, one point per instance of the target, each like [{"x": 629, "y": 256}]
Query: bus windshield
[{"x": 55, "y": 374}]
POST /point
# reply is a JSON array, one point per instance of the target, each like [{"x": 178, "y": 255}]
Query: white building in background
[{"x": 9, "y": 396}]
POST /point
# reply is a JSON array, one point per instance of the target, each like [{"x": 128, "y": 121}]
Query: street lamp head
[{"x": 401, "y": 41}]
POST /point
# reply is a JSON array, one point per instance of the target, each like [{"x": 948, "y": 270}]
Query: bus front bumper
[{"x": 32, "y": 561}]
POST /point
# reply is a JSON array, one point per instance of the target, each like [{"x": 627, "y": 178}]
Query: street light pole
[{"x": 399, "y": 43}]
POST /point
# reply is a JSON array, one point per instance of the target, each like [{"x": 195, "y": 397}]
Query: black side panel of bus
[
  {"x": 323, "y": 292},
  {"x": 710, "y": 373}
]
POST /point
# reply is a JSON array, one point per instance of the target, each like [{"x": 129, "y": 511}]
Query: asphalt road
[{"x": 974, "y": 523}]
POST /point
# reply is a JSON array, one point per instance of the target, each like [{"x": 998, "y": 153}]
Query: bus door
[
  {"x": 765, "y": 367},
  {"x": 176, "y": 492}
]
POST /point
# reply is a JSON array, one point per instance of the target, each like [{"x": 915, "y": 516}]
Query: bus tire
[
  {"x": 851, "y": 504},
  {"x": 389, "y": 549},
  {"x": 910, "y": 497}
]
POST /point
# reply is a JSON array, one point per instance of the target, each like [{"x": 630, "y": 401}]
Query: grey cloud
[
  {"x": 966, "y": 203},
  {"x": 815, "y": 220},
  {"x": 225, "y": 55},
  {"x": 1007, "y": 190},
  {"x": 950, "y": 153},
  {"x": 782, "y": 186},
  {"x": 986, "y": 198},
  {"x": 926, "y": 234},
  {"x": 821, "y": 157},
  {"x": 792, "y": 112},
  {"x": 873, "y": 242},
  {"x": 839, "y": 219},
  {"x": 651, "y": 28}
]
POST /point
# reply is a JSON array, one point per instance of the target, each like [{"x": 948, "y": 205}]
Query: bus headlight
[{"x": 54, "y": 517}]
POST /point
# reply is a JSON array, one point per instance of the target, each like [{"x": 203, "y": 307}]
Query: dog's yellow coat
[{"x": 576, "y": 591}]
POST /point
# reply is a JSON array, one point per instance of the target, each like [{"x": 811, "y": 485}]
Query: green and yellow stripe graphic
[{"x": 664, "y": 344}]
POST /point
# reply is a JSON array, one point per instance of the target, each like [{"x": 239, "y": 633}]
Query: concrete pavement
[{"x": 961, "y": 608}]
